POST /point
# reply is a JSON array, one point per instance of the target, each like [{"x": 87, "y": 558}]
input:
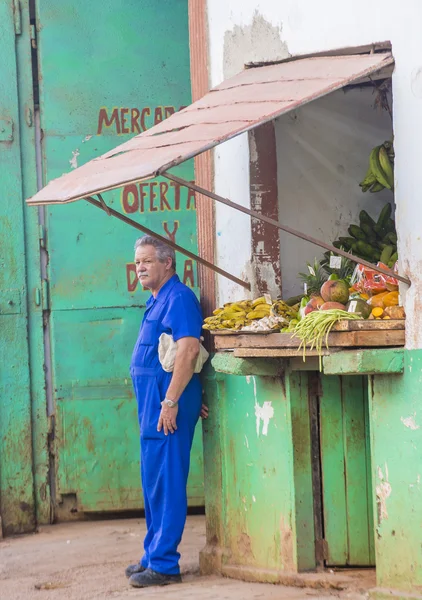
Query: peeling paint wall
[
  {"x": 254, "y": 42},
  {"x": 245, "y": 30}
]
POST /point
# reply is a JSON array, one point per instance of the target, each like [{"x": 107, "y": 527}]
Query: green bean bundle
[{"x": 316, "y": 327}]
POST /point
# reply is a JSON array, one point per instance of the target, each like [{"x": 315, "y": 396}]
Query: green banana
[
  {"x": 377, "y": 187},
  {"x": 386, "y": 254},
  {"x": 368, "y": 180},
  {"x": 368, "y": 230},
  {"x": 356, "y": 232},
  {"x": 384, "y": 215},
  {"x": 365, "y": 218},
  {"x": 376, "y": 169},
  {"x": 346, "y": 242},
  {"x": 386, "y": 166},
  {"x": 366, "y": 248},
  {"x": 391, "y": 237}
]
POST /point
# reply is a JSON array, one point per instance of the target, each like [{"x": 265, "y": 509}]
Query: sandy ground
[{"x": 86, "y": 561}]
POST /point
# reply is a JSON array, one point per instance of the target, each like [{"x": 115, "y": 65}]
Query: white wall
[
  {"x": 245, "y": 30},
  {"x": 322, "y": 155}
]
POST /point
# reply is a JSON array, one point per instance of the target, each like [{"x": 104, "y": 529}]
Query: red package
[{"x": 371, "y": 282}]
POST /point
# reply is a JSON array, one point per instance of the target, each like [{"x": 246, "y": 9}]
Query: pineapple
[
  {"x": 346, "y": 270},
  {"x": 314, "y": 279}
]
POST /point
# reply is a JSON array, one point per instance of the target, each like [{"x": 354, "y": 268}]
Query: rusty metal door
[
  {"x": 108, "y": 69},
  {"x": 346, "y": 471}
]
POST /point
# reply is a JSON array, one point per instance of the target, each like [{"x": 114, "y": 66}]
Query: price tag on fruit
[
  {"x": 335, "y": 262},
  {"x": 352, "y": 306}
]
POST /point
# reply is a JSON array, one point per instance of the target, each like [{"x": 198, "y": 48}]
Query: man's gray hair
[{"x": 163, "y": 251}]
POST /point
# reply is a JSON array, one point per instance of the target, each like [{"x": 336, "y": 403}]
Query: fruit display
[
  {"x": 380, "y": 174},
  {"x": 261, "y": 314},
  {"x": 335, "y": 288},
  {"x": 374, "y": 241}
]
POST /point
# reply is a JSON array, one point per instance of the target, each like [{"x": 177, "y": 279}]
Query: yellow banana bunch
[
  {"x": 260, "y": 301},
  {"x": 380, "y": 173},
  {"x": 281, "y": 309},
  {"x": 251, "y": 315}
]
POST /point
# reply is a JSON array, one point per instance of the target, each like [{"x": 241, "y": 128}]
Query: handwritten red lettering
[
  {"x": 134, "y": 120},
  {"x": 131, "y": 278},
  {"x": 143, "y": 194},
  {"x": 158, "y": 115},
  {"x": 124, "y": 120},
  {"x": 156, "y": 196},
  {"x": 176, "y": 187},
  {"x": 104, "y": 121},
  {"x": 130, "y": 198},
  {"x": 188, "y": 274},
  {"x": 164, "y": 205},
  {"x": 146, "y": 112},
  {"x": 152, "y": 197},
  {"x": 191, "y": 196},
  {"x": 171, "y": 234},
  {"x": 123, "y": 113}
]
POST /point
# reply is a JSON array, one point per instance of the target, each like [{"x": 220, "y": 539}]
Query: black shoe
[
  {"x": 133, "y": 569},
  {"x": 148, "y": 578}
]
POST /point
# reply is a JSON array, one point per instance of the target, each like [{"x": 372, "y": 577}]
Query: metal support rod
[
  {"x": 303, "y": 236},
  {"x": 115, "y": 213}
]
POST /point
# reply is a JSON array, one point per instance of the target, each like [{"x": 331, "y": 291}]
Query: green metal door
[
  {"x": 108, "y": 69},
  {"x": 346, "y": 471},
  {"x": 17, "y": 510}
]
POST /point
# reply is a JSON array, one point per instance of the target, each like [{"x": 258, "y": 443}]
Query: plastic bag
[{"x": 368, "y": 281}]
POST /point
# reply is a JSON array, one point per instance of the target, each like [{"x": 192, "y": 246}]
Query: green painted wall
[
  {"x": 396, "y": 444},
  {"x": 251, "y": 520},
  {"x": 260, "y": 470}
]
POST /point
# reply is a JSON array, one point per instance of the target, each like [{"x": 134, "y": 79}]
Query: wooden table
[{"x": 345, "y": 334}]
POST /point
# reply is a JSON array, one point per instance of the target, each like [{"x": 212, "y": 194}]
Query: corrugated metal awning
[{"x": 239, "y": 104}]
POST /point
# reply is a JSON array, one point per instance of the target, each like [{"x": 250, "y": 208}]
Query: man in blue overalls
[{"x": 169, "y": 405}]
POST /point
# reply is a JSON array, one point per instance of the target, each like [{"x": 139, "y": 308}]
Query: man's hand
[
  {"x": 204, "y": 412},
  {"x": 167, "y": 420}
]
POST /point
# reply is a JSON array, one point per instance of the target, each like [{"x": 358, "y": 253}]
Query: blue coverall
[{"x": 165, "y": 459}]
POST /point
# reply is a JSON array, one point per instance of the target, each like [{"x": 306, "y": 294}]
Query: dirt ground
[{"x": 86, "y": 561}]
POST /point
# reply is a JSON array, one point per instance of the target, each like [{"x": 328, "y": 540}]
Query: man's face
[{"x": 150, "y": 271}]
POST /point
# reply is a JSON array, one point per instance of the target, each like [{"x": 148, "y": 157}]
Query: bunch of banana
[
  {"x": 375, "y": 241},
  {"x": 236, "y": 315},
  {"x": 260, "y": 309},
  {"x": 231, "y": 316},
  {"x": 380, "y": 172},
  {"x": 281, "y": 309}
]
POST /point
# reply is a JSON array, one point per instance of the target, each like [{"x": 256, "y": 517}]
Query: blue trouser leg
[
  {"x": 165, "y": 469},
  {"x": 150, "y": 530}
]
